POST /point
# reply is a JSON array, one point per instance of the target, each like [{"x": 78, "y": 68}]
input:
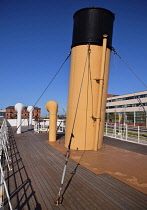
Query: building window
[{"x": 140, "y": 117}]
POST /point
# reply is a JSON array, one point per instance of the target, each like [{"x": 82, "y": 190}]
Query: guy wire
[
  {"x": 115, "y": 52},
  {"x": 59, "y": 197},
  {"x": 48, "y": 85}
]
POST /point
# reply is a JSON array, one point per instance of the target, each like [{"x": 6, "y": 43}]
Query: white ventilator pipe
[
  {"x": 30, "y": 109},
  {"x": 19, "y": 107}
]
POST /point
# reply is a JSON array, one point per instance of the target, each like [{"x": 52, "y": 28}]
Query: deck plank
[{"x": 35, "y": 179}]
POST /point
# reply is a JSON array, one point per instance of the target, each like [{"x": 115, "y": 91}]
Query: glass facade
[
  {"x": 112, "y": 117},
  {"x": 127, "y": 117},
  {"x": 2, "y": 114},
  {"x": 140, "y": 117}
]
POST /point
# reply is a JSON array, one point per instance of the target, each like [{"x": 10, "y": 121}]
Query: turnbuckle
[{"x": 58, "y": 200}]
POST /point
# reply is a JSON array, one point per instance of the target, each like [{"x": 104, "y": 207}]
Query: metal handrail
[
  {"x": 125, "y": 132},
  {"x": 4, "y": 144}
]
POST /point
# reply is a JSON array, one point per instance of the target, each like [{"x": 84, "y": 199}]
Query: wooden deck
[{"x": 36, "y": 174}]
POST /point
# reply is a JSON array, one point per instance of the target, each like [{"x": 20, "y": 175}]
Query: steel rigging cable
[
  {"x": 115, "y": 52},
  {"x": 59, "y": 197},
  {"x": 138, "y": 99},
  {"x": 48, "y": 85}
]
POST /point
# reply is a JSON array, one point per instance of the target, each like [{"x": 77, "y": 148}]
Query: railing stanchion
[
  {"x": 106, "y": 129},
  {"x": 126, "y": 132},
  {"x": 138, "y": 134},
  {"x": 4, "y": 143},
  {"x": 115, "y": 130}
]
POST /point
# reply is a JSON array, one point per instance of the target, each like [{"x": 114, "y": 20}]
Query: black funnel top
[{"x": 90, "y": 24}]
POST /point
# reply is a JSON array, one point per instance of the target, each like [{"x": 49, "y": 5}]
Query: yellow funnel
[{"x": 89, "y": 70}]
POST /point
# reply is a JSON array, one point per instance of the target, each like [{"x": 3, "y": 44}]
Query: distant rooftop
[
  {"x": 129, "y": 94},
  {"x": 25, "y": 107},
  {"x": 111, "y": 95}
]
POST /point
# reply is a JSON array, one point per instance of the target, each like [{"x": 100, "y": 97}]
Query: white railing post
[
  {"x": 119, "y": 122},
  {"x": 138, "y": 134},
  {"x": 126, "y": 132},
  {"x": 146, "y": 118},
  {"x": 121, "y": 132},
  {"x": 106, "y": 128},
  {"x": 4, "y": 144},
  {"x": 5, "y": 186},
  {"x": 115, "y": 129},
  {"x": 134, "y": 118}
]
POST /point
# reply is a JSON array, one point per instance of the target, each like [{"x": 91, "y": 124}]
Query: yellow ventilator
[
  {"x": 52, "y": 108},
  {"x": 89, "y": 70}
]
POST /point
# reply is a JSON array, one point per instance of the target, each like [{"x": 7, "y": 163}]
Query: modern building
[
  {"x": 2, "y": 113},
  {"x": 129, "y": 108},
  {"x": 12, "y": 114}
]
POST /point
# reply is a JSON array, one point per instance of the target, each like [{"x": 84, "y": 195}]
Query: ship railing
[
  {"x": 4, "y": 146},
  {"x": 126, "y": 132},
  {"x": 40, "y": 127}
]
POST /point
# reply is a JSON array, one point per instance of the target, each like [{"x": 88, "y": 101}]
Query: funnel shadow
[
  {"x": 60, "y": 136},
  {"x": 19, "y": 185}
]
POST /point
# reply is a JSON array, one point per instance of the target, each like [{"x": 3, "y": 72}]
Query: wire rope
[
  {"x": 59, "y": 197},
  {"x": 53, "y": 78},
  {"x": 129, "y": 68},
  {"x": 138, "y": 99}
]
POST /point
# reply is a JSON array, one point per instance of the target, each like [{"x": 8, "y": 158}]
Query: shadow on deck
[
  {"x": 19, "y": 184},
  {"x": 35, "y": 179}
]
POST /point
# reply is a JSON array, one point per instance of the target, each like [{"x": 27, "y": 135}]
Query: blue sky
[{"x": 36, "y": 36}]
